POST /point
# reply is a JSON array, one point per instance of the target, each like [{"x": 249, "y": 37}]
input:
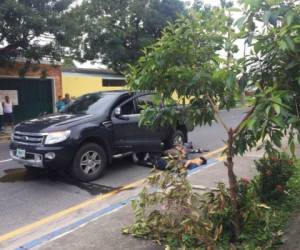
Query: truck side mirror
[
  {"x": 118, "y": 111},
  {"x": 118, "y": 114}
]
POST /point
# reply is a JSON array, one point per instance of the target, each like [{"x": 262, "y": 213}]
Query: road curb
[{"x": 4, "y": 138}]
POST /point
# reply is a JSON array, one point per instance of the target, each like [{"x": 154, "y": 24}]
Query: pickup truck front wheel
[{"x": 89, "y": 162}]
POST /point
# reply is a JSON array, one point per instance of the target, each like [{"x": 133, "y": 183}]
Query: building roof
[
  {"x": 90, "y": 71},
  {"x": 45, "y": 60},
  {"x": 102, "y": 72}
]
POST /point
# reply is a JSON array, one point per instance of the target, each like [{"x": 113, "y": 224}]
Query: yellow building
[{"x": 78, "y": 81}]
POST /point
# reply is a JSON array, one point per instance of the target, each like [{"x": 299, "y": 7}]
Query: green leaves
[
  {"x": 290, "y": 43},
  {"x": 185, "y": 64},
  {"x": 116, "y": 31},
  {"x": 168, "y": 210},
  {"x": 243, "y": 82},
  {"x": 290, "y": 17},
  {"x": 230, "y": 80},
  {"x": 240, "y": 22},
  {"x": 276, "y": 108},
  {"x": 267, "y": 16},
  {"x": 253, "y": 5},
  {"x": 34, "y": 29},
  {"x": 274, "y": 68},
  {"x": 275, "y": 171}
]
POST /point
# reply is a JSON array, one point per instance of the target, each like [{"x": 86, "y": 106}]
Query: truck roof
[
  {"x": 121, "y": 92},
  {"x": 110, "y": 92}
]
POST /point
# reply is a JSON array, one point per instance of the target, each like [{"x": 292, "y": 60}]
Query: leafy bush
[
  {"x": 253, "y": 215},
  {"x": 170, "y": 211},
  {"x": 275, "y": 171}
]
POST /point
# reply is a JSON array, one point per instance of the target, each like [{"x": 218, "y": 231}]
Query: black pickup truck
[{"x": 89, "y": 133}]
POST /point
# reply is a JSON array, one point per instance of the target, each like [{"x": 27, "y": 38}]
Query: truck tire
[
  {"x": 178, "y": 137},
  {"x": 89, "y": 162}
]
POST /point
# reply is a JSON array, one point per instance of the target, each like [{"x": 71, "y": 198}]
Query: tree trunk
[
  {"x": 242, "y": 98},
  {"x": 233, "y": 186}
]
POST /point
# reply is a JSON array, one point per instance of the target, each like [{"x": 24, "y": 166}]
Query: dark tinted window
[
  {"x": 90, "y": 104},
  {"x": 113, "y": 83},
  {"x": 128, "y": 108}
]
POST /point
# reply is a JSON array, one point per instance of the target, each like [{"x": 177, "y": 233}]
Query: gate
[{"x": 35, "y": 96}]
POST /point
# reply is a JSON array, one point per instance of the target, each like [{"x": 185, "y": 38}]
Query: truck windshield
[{"x": 89, "y": 104}]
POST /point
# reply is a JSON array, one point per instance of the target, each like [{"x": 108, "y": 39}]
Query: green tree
[
  {"x": 116, "y": 31},
  {"x": 34, "y": 29},
  {"x": 272, "y": 30},
  {"x": 187, "y": 61},
  {"x": 68, "y": 63}
]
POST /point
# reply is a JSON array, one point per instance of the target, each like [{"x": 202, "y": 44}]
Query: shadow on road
[{"x": 12, "y": 175}]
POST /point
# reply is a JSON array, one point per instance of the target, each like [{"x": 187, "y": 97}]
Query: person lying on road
[{"x": 187, "y": 152}]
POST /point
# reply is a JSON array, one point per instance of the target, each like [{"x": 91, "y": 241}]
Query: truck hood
[{"x": 53, "y": 122}]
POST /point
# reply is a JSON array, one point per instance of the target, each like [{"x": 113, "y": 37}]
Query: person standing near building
[
  {"x": 67, "y": 99},
  {"x": 8, "y": 112},
  {"x": 60, "y": 104}
]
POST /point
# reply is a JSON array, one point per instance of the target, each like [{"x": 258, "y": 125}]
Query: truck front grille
[{"x": 33, "y": 139}]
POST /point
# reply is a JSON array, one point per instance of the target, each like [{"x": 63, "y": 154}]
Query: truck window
[
  {"x": 90, "y": 104},
  {"x": 128, "y": 108},
  {"x": 142, "y": 101},
  {"x": 121, "y": 100}
]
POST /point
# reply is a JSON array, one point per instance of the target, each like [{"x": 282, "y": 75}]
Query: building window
[{"x": 113, "y": 83}]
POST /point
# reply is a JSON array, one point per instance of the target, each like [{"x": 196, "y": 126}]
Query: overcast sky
[{"x": 213, "y": 2}]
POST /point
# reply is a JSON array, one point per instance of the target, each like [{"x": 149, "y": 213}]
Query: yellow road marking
[
  {"x": 65, "y": 212},
  {"x": 219, "y": 150},
  {"x": 221, "y": 158}
]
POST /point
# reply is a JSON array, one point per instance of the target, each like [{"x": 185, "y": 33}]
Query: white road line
[{"x": 5, "y": 160}]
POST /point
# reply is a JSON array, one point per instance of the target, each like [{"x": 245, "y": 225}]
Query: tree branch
[
  {"x": 217, "y": 115},
  {"x": 2, "y": 36},
  {"x": 237, "y": 130}
]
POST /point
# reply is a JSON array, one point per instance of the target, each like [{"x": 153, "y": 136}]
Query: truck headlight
[{"x": 56, "y": 137}]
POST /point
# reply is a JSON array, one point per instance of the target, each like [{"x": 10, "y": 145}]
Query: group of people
[
  {"x": 6, "y": 113},
  {"x": 62, "y": 102},
  {"x": 6, "y": 110}
]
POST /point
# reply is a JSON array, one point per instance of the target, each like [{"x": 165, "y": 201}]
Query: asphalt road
[{"x": 25, "y": 197}]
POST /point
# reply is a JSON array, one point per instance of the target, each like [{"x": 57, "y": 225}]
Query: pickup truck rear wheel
[
  {"x": 177, "y": 138},
  {"x": 89, "y": 162}
]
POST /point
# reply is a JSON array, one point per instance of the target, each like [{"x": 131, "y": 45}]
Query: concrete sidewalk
[
  {"x": 5, "y": 135},
  {"x": 105, "y": 232}
]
